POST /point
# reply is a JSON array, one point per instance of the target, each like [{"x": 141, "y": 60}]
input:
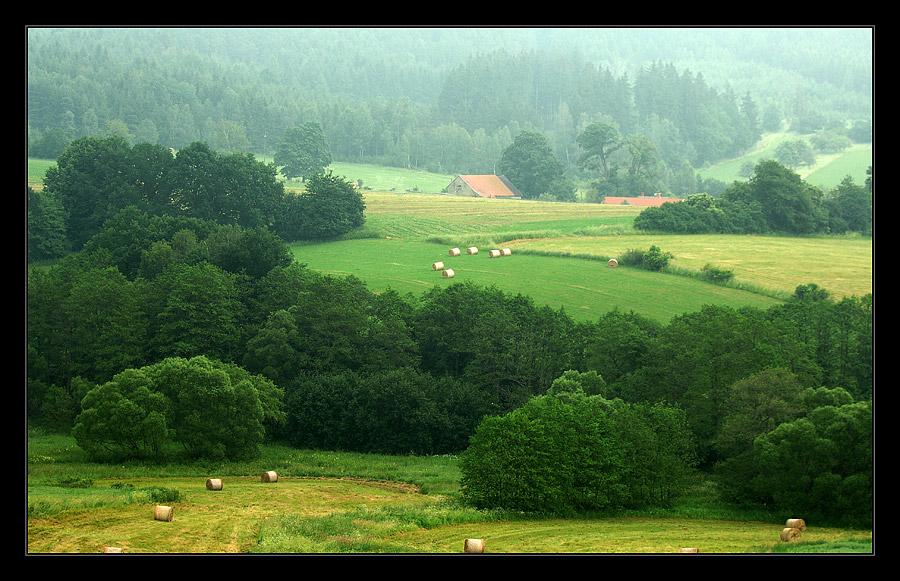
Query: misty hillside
[{"x": 450, "y": 100}]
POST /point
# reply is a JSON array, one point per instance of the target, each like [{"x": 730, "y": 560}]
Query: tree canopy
[{"x": 303, "y": 151}]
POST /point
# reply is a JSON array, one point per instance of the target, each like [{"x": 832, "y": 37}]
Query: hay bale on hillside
[
  {"x": 454, "y": 252},
  {"x": 472, "y": 250},
  {"x": 214, "y": 484},
  {"x": 448, "y": 273},
  {"x": 612, "y": 263},
  {"x": 790, "y": 535},
  {"x": 474, "y": 546},
  {"x": 112, "y": 550},
  {"x": 164, "y": 513},
  {"x": 505, "y": 251},
  {"x": 494, "y": 253},
  {"x": 437, "y": 266},
  {"x": 688, "y": 550},
  {"x": 270, "y": 476},
  {"x": 796, "y": 523}
]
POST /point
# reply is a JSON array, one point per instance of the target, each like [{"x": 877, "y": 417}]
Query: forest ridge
[{"x": 449, "y": 100}]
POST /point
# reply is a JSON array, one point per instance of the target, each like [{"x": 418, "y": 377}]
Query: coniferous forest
[{"x": 450, "y": 100}]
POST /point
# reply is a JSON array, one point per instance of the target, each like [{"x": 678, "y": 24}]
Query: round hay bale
[
  {"x": 112, "y": 550},
  {"x": 494, "y": 253},
  {"x": 472, "y": 250},
  {"x": 505, "y": 251},
  {"x": 164, "y": 513},
  {"x": 612, "y": 263},
  {"x": 448, "y": 273},
  {"x": 270, "y": 476},
  {"x": 454, "y": 252},
  {"x": 796, "y": 523},
  {"x": 474, "y": 546},
  {"x": 437, "y": 266},
  {"x": 214, "y": 484},
  {"x": 790, "y": 535},
  {"x": 688, "y": 550}
]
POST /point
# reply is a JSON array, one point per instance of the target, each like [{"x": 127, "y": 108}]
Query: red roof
[
  {"x": 640, "y": 201},
  {"x": 489, "y": 186}
]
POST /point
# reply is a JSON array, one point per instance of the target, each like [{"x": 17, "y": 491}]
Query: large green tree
[
  {"x": 330, "y": 206},
  {"x": 598, "y": 142},
  {"x": 530, "y": 164},
  {"x": 567, "y": 451},
  {"x": 213, "y": 410},
  {"x": 303, "y": 151}
]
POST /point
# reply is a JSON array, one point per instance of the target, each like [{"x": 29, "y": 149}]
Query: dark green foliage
[
  {"x": 46, "y": 227},
  {"x": 303, "y": 151},
  {"x": 653, "y": 259},
  {"x": 566, "y": 452},
  {"x": 775, "y": 200},
  {"x": 819, "y": 465},
  {"x": 396, "y": 411},
  {"x": 330, "y": 207},
  {"x": 530, "y": 165},
  {"x": 716, "y": 274},
  {"x": 212, "y": 410},
  {"x": 104, "y": 186}
]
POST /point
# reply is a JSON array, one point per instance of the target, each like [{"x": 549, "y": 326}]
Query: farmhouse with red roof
[{"x": 484, "y": 186}]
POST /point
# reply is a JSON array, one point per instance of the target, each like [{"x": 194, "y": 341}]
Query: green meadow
[
  {"x": 560, "y": 253},
  {"x": 584, "y": 288}
]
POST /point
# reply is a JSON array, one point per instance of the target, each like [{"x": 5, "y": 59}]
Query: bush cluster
[{"x": 567, "y": 452}]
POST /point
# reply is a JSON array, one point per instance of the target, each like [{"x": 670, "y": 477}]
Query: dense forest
[
  {"x": 153, "y": 303},
  {"x": 450, "y": 100}
]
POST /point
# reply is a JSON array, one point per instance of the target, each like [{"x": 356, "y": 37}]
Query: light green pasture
[{"x": 586, "y": 289}]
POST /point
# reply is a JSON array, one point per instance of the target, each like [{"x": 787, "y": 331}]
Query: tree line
[
  {"x": 774, "y": 200},
  {"x": 94, "y": 178},
  {"x": 467, "y": 113}
]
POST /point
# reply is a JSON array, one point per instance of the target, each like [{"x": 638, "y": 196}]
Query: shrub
[
  {"x": 652, "y": 259},
  {"x": 716, "y": 275}
]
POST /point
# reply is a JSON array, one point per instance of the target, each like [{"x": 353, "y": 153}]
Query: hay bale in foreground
[
  {"x": 494, "y": 253},
  {"x": 270, "y": 476},
  {"x": 472, "y": 250},
  {"x": 448, "y": 273},
  {"x": 214, "y": 484},
  {"x": 790, "y": 535},
  {"x": 688, "y": 550},
  {"x": 474, "y": 546},
  {"x": 612, "y": 263},
  {"x": 454, "y": 252},
  {"x": 505, "y": 251},
  {"x": 112, "y": 550},
  {"x": 164, "y": 513},
  {"x": 437, "y": 266},
  {"x": 796, "y": 523}
]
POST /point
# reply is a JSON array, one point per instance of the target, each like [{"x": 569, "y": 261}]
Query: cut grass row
[{"x": 333, "y": 502}]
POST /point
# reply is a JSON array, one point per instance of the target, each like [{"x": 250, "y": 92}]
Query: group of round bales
[{"x": 472, "y": 250}]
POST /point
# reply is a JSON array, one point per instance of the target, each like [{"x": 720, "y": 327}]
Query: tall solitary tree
[
  {"x": 530, "y": 165},
  {"x": 303, "y": 151}
]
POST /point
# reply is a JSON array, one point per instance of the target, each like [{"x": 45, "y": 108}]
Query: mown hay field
[{"x": 327, "y": 515}]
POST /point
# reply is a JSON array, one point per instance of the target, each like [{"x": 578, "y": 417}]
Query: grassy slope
[{"x": 828, "y": 171}]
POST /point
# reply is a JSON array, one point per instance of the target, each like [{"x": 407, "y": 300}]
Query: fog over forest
[{"x": 449, "y": 99}]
